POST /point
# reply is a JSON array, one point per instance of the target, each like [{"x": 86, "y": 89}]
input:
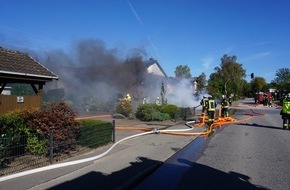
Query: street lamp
[
  {"x": 252, "y": 76},
  {"x": 226, "y": 87}
]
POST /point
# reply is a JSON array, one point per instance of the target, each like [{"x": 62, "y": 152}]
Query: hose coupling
[{"x": 156, "y": 131}]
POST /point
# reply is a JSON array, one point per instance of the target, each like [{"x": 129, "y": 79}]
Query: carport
[{"x": 19, "y": 67}]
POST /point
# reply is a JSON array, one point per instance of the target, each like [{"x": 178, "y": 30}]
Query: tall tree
[
  {"x": 201, "y": 82},
  {"x": 182, "y": 71},
  {"x": 282, "y": 79},
  {"x": 162, "y": 94},
  {"x": 258, "y": 84},
  {"x": 228, "y": 78}
]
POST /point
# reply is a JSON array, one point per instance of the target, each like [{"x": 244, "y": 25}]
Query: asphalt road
[{"x": 253, "y": 154}]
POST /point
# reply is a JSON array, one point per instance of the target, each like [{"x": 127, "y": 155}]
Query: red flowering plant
[{"x": 58, "y": 118}]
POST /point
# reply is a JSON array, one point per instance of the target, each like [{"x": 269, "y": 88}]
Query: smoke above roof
[{"x": 93, "y": 69}]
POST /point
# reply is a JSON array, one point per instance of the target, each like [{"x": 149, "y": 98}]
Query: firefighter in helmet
[
  {"x": 157, "y": 101},
  {"x": 204, "y": 104},
  {"x": 230, "y": 101},
  {"x": 225, "y": 107},
  {"x": 128, "y": 98},
  {"x": 211, "y": 110},
  {"x": 285, "y": 112},
  {"x": 144, "y": 101}
]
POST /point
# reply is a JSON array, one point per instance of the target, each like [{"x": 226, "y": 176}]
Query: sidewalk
[{"x": 126, "y": 164}]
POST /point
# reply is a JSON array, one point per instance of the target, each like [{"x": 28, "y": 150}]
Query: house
[
  {"x": 19, "y": 67},
  {"x": 154, "y": 67}
]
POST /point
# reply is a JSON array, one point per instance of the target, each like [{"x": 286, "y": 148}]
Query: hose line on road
[
  {"x": 182, "y": 132},
  {"x": 70, "y": 163}
]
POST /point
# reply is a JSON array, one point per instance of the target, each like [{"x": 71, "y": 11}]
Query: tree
[
  {"x": 228, "y": 78},
  {"x": 258, "y": 84},
  {"x": 282, "y": 80},
  {"x": 162, "y": 94},
  {"x": 182, "y": 71},
  {"x": 201, "y": 79}
]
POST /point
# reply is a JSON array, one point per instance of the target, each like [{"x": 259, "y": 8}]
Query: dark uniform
[
  {"x": 285, "y": 112},
  {"x": 204, "y": 104},
  {"x": 211, "y": 110},
  {"x": 230, "y": 101},
  {"x": 225, "y": 107}
]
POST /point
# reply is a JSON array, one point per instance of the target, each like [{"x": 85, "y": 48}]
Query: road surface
[{"x": 253, "y": 154}]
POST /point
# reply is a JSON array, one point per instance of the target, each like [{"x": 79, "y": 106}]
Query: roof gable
[
  {"x": 154, "y": 67},
  {"x": 21, "y": 64}
]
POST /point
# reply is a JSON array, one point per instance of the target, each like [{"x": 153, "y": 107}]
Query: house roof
[
  {"x": 15, "y": 64},
  {"x": 151, "y": 62}
]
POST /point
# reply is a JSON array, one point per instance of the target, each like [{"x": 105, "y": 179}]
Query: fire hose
[{"x": 182, "y": 132}]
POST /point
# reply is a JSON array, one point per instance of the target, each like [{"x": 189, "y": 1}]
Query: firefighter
[
  {"x": 144, "y": 101},
  {"x": 270, "y": 103},
  {"x": 225, "y": 107},
  {"x": 204, "y": 104},
  {"x": 230, "y": 101},
  {"x": 285, "y": 112},
  {"x": 157, "y": 101},
  {"x": 211, "y": 110},
  {"x": 265, "y": 102},
  {"x": 128, "y": 98}
]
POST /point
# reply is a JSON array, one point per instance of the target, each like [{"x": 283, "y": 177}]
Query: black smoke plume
[{"x": 92, "y": 69}]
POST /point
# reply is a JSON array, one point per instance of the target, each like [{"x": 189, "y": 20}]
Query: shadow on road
[
  {"x": 260, "y": 126},
  {"x": 204, "y": 177},
  {"x": 194, "y": 176},
  {"x": 123, "y": 179}
]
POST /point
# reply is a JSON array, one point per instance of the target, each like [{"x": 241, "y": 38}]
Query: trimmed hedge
[{"x": 94, "y": 133}]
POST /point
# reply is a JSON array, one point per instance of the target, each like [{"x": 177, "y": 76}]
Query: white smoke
[{"x": 182, "y": 94}]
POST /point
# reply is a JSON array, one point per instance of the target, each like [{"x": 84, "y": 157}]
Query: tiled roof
[{"x": 18, "y": 63}]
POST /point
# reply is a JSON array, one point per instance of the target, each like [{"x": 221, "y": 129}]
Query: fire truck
[{"x": 259, "y": 97}]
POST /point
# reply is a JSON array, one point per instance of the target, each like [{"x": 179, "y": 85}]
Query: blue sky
[{"x": 196, "y": 33}]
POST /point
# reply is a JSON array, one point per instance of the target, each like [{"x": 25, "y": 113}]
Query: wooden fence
[{"x": 10, "y": 102}]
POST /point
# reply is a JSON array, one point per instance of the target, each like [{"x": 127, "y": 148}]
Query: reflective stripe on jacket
[
  {"x": 211, "y": 105},
  {"x": 286, "y": 106}
]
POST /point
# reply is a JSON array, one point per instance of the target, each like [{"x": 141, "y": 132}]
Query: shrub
[
  {"x": 124, "y": 107},
  {"x": 57, "y": 117},
  {"x": 144, "y": 110},
  {"x": 12, "y": 132},
  {"x": 150, "y": 112},
  {"x": 94, "y": 133},
  {"x": 157, "y": 116},
  {"x": 12, "y": 124},
  {"x": 37, "y": 146},
  {"x": 171, "y": 110}
]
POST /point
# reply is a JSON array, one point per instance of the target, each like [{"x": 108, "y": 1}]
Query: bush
[
  {"x": 12, "y": 124},
  {"x": 151, "y": 112},
  {"x": 171, "y": 110},
  {"x": 37, "y": 146},
  {"x": 12, "y": 131},
  {"x": 94, "y": 133},
  {"x": 157, "y": 116},
  {"x": 57, "y": 117},
  {"x": 144, "y": 110},
  {"x": 124, "y": 107}
]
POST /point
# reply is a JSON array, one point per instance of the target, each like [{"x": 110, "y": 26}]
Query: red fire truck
[{"x": 259, "y": 97}]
